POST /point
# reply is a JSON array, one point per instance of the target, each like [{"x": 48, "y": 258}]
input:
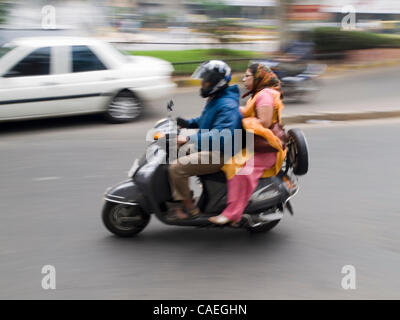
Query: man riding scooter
[
  {"x": 221, "y": 112},
  {"x": 130, "y": 204}
]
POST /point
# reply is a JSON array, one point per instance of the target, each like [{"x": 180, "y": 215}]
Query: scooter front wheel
[{"x": 124, "y": 220}]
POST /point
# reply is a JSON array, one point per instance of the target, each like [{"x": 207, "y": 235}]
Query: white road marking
[{"x": 46, "y": 178}]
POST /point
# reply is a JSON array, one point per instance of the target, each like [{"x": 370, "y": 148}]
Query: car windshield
[
  {"x": 123, "y": 54},
  {"x": 4, "y": 49}
]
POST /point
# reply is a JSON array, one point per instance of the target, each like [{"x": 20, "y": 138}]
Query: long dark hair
[{"x": 264, "y": 77}]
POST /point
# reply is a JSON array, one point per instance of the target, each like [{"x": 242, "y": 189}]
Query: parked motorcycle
[
  {"x": 129, "y": 204},
  {"x": 300, "y": 86}
]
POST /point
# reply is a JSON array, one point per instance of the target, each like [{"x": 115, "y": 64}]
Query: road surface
[{"x": 54, "y": 172}]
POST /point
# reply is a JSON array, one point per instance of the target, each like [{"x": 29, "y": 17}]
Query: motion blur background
[
  {"x": 254, "y": 27},
  {"x": 53, "y": 172}
]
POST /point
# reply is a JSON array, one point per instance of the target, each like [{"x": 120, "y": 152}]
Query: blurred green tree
[
  {"x": 214, "y": 8},
  {"x": 220, "y": 25},
  {"x": 4, "y": 6}
]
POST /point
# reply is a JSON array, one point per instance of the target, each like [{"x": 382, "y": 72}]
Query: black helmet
[{"x": 216, "y": 72}]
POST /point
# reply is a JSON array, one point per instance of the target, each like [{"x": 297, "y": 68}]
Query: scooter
[
  {"x": 129, "y": 204},
  {"x": 300, "y": 87}
]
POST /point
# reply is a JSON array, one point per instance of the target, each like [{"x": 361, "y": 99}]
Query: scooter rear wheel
[
  {"x": 124, "y": 220},
  {"x": 298, "y": 151}
]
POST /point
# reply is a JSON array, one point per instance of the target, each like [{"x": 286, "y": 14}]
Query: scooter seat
[{"x": 218, "y": 176}]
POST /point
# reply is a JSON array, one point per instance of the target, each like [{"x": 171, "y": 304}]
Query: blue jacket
[{"x": 222, "y": 112}]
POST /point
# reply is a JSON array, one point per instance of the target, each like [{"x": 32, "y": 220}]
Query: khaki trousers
[{"x": 194, "y": 164}]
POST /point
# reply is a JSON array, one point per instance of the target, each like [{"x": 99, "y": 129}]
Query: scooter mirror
[{"x": 170, "y": 105}]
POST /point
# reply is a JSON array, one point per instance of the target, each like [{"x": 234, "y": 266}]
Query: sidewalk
[
  {"x": 357, "y": 61},
  {"x": 365, "y": 61}
]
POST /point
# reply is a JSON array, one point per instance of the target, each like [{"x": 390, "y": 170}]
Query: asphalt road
[{"x": 54, "y": 172}]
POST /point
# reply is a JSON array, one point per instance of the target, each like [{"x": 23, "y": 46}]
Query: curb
[
  {"x": 188, "y": 82},
  {"x": 340, "y": 116},
  {"x": 182, "y": 82},
  {"x": 344, "y": 67}
]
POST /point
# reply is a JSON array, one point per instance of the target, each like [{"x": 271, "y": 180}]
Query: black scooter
[
  {"x": 301, "y": 86},
  {"x": 130, "y": 204}
]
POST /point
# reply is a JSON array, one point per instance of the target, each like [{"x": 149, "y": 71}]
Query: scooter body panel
[
  {"x": 269, "y": 193},
  {"x": 126, "y": 192}
]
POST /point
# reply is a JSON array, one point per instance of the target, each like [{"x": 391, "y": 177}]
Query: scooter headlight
[{"x": 158, "y": 135}]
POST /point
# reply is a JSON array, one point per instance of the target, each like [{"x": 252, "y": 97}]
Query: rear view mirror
[{"x": 170, "y": 105}]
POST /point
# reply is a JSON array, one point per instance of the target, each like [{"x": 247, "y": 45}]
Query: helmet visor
[{"x": 200, "y": 72}]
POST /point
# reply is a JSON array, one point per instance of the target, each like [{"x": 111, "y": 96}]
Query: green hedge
[
  {"x": 198, "y": 55},
  {"x": 330, "y": 39}
]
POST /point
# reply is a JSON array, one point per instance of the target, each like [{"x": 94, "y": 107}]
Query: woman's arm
[
  {"x": 265, "y": 108},
  {"x": 264, "y": 115}
]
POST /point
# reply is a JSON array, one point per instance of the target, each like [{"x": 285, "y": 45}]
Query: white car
[{"x": 43, "y": 77}]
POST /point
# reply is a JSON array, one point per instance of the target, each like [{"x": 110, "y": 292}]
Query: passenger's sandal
[{"x": 220, "y": 220}]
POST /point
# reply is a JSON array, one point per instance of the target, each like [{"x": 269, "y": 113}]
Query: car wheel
[{"x": 124, "y": 107}]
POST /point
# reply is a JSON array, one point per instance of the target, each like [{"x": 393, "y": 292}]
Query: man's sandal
[
  {"x": 193, "y": 212},
  {"x": 175, "y": 214}
]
